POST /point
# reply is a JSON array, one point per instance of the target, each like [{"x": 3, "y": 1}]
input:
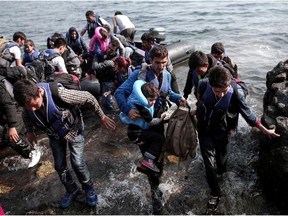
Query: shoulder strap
[
  {"x": 143, "y": 72},
  {"x": 202, "y": 86},
  {"x": 56, "y": 97}
]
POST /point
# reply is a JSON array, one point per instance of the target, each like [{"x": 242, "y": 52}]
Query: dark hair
[
  {"x": 115, "y": 43},
  {"x": 89, "y": 13},
  {"x": 118, "y": 13},
  {"x": 30, "y": 42},
  {"x": 219, "y": 77},
  {"x": 197, "y": 59},
  {"x": 148, "y": 36},
  {"x": 159, "y": 51},
  {"x": 103, "y": 32},
  {"x": 149, "y": 90},
  {"x": 19, "y": 34},
  {"x": 217, "y": 48},
  {"x": 61, "y": 41},
  {"x": 24, "y": 91},
  {"x": 55, "y": 36},
  {"x": 107, "y": 27}
]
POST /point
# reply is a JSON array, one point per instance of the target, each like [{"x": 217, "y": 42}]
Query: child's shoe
[{"x": 148, "y": 163}]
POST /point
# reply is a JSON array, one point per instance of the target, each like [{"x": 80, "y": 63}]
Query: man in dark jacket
[{"x": 218, "y": 103}]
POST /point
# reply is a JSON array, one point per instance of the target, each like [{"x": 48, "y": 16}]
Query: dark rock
[{"x": 273, "y": 161}]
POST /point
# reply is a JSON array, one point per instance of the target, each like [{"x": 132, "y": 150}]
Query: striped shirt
[{"x": 72, "y": 97}]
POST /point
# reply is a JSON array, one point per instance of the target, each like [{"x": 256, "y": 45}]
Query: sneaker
[
  {"x": 150, "y": 165},
  {"x": 143, "y": 169},
  {"x": 91, "y": 197},
  {"x": 68, "y": 198},
  {"x": 213, "y": 204},
  {"x": 34, "y": 158}
]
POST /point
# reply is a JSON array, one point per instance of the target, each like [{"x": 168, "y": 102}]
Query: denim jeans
[{"x": 59, "y": 147}]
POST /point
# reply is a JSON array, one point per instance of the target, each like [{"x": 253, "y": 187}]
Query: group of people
[{"x": 140, "y": 90}]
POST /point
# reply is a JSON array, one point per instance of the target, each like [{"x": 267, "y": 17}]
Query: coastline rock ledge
[{"x": 273, "y": 161}]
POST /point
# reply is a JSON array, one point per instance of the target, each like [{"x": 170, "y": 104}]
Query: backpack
[
  {"x": 13, "y": 74},
  {"x": 69, "y": 81},
  {"x": 3, "y": 43},
  {"x": 47, "y": 64},
  {"x": 181, "y": 135},
  {"x": 243, "y": 86}
]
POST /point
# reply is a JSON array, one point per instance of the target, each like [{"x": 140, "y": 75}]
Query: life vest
[
  {"x": 71, "y": 42},
  {"x": 7, "y": 58},
  {"x": 103, "y": 44},
  {"x": 94, "y": 25},
  {"x": 211, "y": 112},
  {"x": 30, "y": 57},
  {"x": 163, "y": 87},
  {"x": 57, "y": 121},
  {"x": 137, "y": 97},
  {"x": 74, "y": 44},
  {"x": 49, "y": 54}
]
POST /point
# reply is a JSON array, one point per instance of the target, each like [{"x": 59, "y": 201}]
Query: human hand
[
  {"x": 268, "y": 132},
  {"x": 134, "y": 114},
  {"x": 108, "y": 123},
  {"x": 271, "y": 133},
  {"x": 183, "y": 102},
  {"x": 163, "y": 115},
  {"x": 105, "y": 94},
  {"x": 13, "y": 135}
]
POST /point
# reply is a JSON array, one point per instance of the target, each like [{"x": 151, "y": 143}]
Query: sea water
[{"x": 254, "y": 36}]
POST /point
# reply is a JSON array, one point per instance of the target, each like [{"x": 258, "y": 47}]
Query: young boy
[
  {"x": 143, "y": 98},
  {"x": 217, "y": 104},
  {"x": 30, "y": 52}
]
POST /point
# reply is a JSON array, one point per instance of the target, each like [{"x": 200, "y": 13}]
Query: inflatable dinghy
[{"x": 179, "y": 51}]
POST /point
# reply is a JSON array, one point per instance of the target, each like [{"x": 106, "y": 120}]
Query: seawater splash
[
  {"x": 17, "y": 162},
  {"x": 118, "y": 190}
]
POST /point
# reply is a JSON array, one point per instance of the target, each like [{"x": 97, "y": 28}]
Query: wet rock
[
  {"x": 273, "y": 160},
  {"x": 5, "y": 189},
  {"x": 45, "y": 169}
]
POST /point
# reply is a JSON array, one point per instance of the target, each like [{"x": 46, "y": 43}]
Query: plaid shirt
[{"x": 72, "y": 97}]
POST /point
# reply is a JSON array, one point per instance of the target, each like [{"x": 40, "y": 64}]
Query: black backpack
[
  {"x": 69, "y": 81},
  {"x": 243, "y": 86},
  {"x": 48, "y": 67}
]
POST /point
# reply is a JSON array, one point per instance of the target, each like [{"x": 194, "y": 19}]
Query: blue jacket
[{"x": 125, "y": 89}]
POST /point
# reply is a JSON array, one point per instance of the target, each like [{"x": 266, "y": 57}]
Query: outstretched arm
[{"x": 268, "y": 132}]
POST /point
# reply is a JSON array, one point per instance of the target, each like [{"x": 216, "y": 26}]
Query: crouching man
[{"x": 55, "y": 110}]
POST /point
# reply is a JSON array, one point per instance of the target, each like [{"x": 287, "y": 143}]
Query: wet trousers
[
  {"x": 153, "y": 140},
  {"x": 214, "y": 152},
  {"x": 149, "y": 140},
  {"x": 76, "y": 148},
  {"x": 23, "y": 146}
]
